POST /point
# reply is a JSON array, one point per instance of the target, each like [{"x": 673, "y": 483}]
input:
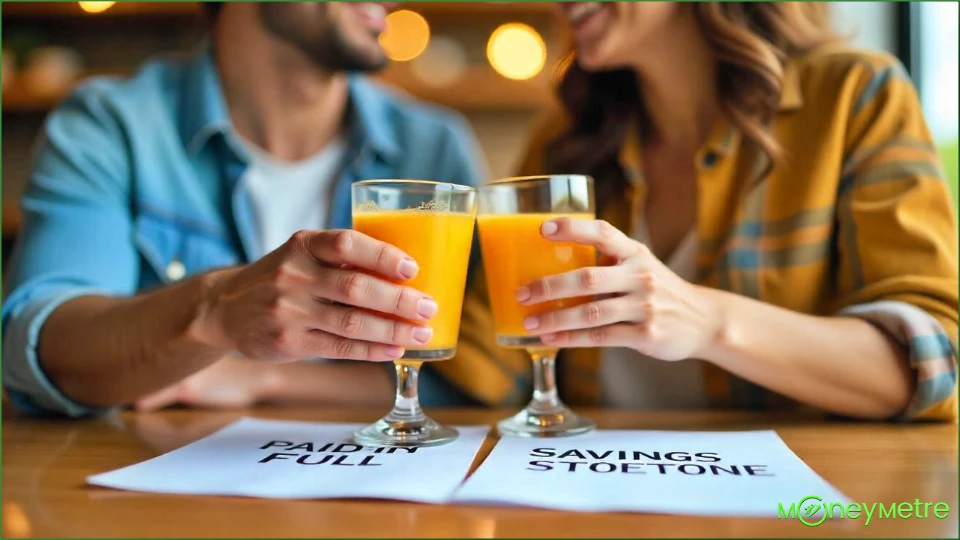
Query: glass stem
[
  {"x": 545, "y": 398},
  {"x": 406, "y": 406}
]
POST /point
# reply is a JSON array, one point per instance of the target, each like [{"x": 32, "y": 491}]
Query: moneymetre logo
[{"x": 812, "y": 510}]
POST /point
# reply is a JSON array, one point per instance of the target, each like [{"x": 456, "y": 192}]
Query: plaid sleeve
[
  {"x": 897, "y": 240},
  {"x": 932, "y": 354}
]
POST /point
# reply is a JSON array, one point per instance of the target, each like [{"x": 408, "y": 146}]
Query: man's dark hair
[{"x": 212, "y": 9}]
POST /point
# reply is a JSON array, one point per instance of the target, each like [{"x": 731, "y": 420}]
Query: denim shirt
[{"x": 135, "y": 184}]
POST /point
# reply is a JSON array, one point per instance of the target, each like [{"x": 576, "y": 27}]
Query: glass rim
[
  {"x": 519, "y": 180},
  {"x": 399, "y": 182}
]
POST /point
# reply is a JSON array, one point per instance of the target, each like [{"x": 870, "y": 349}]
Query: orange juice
[
  {"x": 514, "y": 254},
  {"x": 440, "y": 243}
]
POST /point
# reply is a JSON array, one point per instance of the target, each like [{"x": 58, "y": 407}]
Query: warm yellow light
[
  {"x": 95, "y": 7},
  {"x": 516, "y": 51},
  {"x": 406, "y": 35},
  {"x": 15, "y": 522}
]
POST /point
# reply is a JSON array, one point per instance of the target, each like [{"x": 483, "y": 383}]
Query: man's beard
[
  {"x": 328, "y": 48},
  {"x": 332, "y": 51}
]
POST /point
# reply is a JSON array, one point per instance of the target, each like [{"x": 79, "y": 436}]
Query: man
[{"x": 160, "y": 260}]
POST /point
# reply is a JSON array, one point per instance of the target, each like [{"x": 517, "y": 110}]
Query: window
[{"x": 936, "y": 40}]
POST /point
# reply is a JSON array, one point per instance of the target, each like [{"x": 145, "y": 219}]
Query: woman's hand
[
  {"x": 639, "y": 302},
  {"x": 839, "y": 364}
]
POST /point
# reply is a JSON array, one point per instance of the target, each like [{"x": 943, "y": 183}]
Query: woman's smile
[{"x": 588, "y": 20}]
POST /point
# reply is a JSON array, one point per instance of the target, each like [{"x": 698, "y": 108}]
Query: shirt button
[
  {"x": 709, "y": 159},
  {"x": 176, "y": 270}
]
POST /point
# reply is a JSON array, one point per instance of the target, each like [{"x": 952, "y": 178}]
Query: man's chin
[
  {"x": 349, "y": 63},
  {"x": 355, "y": 58},
  {"x": 367, "y": 57},
  {"x": 363, "y": 66},
  {"x": 374, "y": 62}
]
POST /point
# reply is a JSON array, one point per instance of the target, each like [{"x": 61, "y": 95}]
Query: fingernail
[
  {"x": 547, "y": 338},
  {"x": 548, "y": 228},
  {"x": 422, "y": 334},
  {"x": 393, "y": 351},
  {"x": 523, "y": 294},
  {"x": 531, "y": 323},
  {"x": 427, "y": 308},
  {"x": 408, "y": 268}
]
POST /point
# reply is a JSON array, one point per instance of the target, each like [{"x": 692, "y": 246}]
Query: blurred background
[{"x": 494, "y": 62}]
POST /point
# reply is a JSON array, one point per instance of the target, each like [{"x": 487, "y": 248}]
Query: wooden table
[{"x": 45, "y": 463}]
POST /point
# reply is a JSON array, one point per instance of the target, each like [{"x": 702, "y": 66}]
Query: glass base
[
  {"x": 391, "y": 433},
  {"x": 519, "y": 342},
  {"x": 545, "y": 415},
  {"x": 561, "y": 422},
  {"x": 428, "y": 355}
]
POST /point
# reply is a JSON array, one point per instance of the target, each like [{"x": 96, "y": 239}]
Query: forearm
[
  {"x": 841, "y": 365},
  {"x": 344, "y": 384},
  {"x": 105, "y": 352}
]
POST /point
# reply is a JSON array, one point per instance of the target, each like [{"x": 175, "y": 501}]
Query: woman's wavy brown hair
[{"x": 751, "y": 41}]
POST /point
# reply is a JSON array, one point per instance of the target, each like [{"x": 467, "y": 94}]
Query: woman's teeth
[
  {"x": 373, "y": 11},
  {"x": 576, "y": 13}
]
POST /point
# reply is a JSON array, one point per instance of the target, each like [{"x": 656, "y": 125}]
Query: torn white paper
[
  {"x": 283, "y": 459},
  {"x": 672, "y": 472}
]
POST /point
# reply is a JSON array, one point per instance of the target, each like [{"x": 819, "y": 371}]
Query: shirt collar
[
  {"x": 723, "y": 140},
  {"x": 371, "y": 118},
  {"x": 205, "y": 114}
]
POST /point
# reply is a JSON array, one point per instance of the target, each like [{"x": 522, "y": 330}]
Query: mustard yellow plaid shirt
[{"x": 858, "y": 222}]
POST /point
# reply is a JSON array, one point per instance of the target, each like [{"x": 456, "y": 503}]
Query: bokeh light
[
  {"x": 95, "y": 7},
  {"x": 516, "y": 51},
  {"x": 15, "y": 522},
  {"x": 406, "y": 35}
]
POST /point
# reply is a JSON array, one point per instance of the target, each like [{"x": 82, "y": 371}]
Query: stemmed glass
[
  {"x": 510, "y": 213},
  {"x": 432, "y": 222}
]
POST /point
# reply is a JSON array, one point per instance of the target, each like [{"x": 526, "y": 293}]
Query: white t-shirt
[
  {"x": 290, "y": 196},
  {"x": 632, "y": 380}
]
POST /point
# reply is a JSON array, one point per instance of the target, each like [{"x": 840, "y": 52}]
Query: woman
[{"x": 772, "y": 206}]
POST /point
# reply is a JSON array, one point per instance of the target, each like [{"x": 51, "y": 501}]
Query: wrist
[
  {"x": 205, "y": 326},
  {"x": 721, "y": 332}
]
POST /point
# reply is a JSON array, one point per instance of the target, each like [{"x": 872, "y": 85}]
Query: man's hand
[
  {"x": 233, "y": 383},
  {"x": 328, "y": 294},
  {"x": 229, "y": 383},
  {"x": 165, "y": 433}
]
